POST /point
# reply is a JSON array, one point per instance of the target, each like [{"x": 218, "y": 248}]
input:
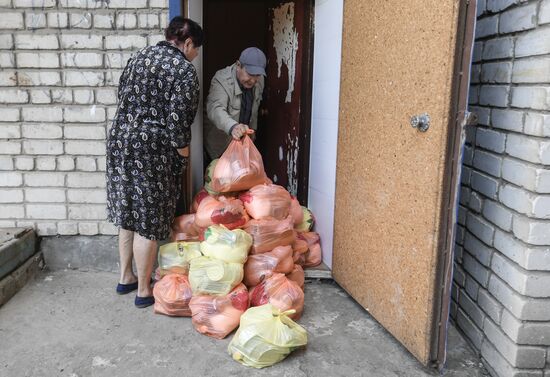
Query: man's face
[{"x": 246, "y": 80}]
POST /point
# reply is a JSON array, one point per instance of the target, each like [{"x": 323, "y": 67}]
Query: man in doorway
[{"x": 233, "y": 101}]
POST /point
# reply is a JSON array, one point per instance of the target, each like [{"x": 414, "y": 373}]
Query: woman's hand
[{"x": 184, "y": 152}]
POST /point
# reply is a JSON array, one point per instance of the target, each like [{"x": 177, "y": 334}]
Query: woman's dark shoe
[
  {"x": 143, "y": 302},
  {"x": 123, "y": 289}
]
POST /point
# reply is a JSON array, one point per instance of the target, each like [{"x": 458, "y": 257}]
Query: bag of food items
[
  {"x": 208, "y": 178},
  {"x": 225, "y": 211},
  {"x": 296, "y": 211},
  {"x": 267, "y": 234},
  {"x": 300, "y": 249},
  {"x": 261, "y": 266},
  {"x": 314, "y": 256},
  {"x": 209, "y": 276},
  {"x": 199, "y": 196},
  {"x": 267, "y": 201},
  {"x": 239, "y": 168},
  {"x": 297, "y": 275},
  {"x": 266, "y": 336},
  {"x": 172, "y": 295},
  {"x": 184, "y": 228},
  {"x": 175, "y": 256},
  {"x": 280, "y": 292},
  {"x": 217, "y": 316},
  {"x": 307, "y": 222},
  {"x": 230, "y": 246}
]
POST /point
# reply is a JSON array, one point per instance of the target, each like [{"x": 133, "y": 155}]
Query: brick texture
[
  {"x": 60, "y": 64},
  {"x": 502, "y": 257}
]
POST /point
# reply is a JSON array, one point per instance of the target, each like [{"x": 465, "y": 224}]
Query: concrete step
[
  {"x": 100, "y": 253},
  {"x": 318, "y": 272},
  {"x": 19, "y": 260}
]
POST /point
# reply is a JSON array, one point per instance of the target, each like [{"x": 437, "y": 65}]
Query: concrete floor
[{"x": 71, "y": 323}]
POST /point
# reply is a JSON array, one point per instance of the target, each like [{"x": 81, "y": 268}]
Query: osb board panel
[{"x": 397, "y": 61}]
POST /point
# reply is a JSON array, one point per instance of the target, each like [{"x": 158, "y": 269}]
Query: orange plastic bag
[
  {"x": 199, "y": 196},
  {"x": 299, "y": 251},
  {"x": 280, "y": 292},
  {"x": 184, "y": 228},
  {"x": 222, "y": 211},
  {"x": 172, "y": 295},
  {"x": 263, "y": 201},
  {"x": 314, "y": 255},
  {"x": 239, "y": 168},
  {"x": 297, "y": 275},
  {"x": 261, "y": 266},
  {"x": 217, "y": 316},
  {"x": 270, "y": 233},
  {"x": 296, "y": 211}
]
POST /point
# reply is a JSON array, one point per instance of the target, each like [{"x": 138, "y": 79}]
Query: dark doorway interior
[
  {"x": 283, "y": 124},
  {"x": 230, "y": 26}
]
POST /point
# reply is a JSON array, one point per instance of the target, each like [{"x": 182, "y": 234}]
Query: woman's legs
[
  {"x": 145, "y": 251},
  {"x": 126, "y": 253}
]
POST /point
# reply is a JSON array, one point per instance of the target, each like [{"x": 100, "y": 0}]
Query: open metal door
[{"x": 396, "y": 184}]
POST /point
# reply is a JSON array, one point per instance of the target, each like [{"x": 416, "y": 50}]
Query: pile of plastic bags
[{"x": 237, "y": 259}]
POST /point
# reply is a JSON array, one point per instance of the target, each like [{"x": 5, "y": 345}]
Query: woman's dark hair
[{"x": 181, "y": 28}]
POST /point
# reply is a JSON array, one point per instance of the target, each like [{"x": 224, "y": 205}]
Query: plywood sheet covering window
[{"x": 397, "y": 61}]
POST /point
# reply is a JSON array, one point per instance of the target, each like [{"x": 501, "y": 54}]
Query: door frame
[
  {"x": 453, "y": 170},
  {"x": 306, "y": 104}
]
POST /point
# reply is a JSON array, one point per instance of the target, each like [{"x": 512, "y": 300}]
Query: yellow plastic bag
[
  {"x": 266, "y": 336},
  {"x": 308, "y": 221},
  {"x": 230, "y": 246},
  {"x": 175, "y": 256},
  {"x": 209, "y": 276}
]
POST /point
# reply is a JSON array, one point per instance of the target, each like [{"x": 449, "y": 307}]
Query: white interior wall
[{"x": 324, "y": 118}]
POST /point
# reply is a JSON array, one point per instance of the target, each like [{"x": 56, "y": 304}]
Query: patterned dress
[{"x": 158, "y": 98}]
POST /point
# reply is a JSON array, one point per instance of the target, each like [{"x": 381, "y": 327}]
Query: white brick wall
[
  {"x": 60, "y": 62},
  {"x": 501, "y": 289}
]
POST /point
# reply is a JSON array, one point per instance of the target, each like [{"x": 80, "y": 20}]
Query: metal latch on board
[{"x": 421, "y": 122}]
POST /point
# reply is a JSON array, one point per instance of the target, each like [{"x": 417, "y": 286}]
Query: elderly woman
[{"x": 147, "y": 149}]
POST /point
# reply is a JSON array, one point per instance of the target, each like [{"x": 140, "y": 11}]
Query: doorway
[{"x": 283, "y": 30}]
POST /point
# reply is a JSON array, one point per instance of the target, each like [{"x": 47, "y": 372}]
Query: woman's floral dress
[{"x": 158, "y": 98}]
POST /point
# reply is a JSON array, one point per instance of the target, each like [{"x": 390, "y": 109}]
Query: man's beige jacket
[{"x": 223, "y": 107}]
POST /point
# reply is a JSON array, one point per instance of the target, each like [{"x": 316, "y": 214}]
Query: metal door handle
[{"x": 421, "y": 122}]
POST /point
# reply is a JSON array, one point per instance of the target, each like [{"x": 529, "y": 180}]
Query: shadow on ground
[{"x": 70, "y": 323}]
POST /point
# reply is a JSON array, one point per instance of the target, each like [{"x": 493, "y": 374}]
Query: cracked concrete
[{"x": 71, "y": 323}]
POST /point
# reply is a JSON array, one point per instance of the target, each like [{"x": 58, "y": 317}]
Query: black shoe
[{"x": 143, "y": 302}]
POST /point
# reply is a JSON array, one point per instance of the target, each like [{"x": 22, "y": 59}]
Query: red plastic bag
[
  {"x": 172, "y": 295},
  {"x": 217, "y": 316},
  {"x": 280, "y": 292},
  {"x": 184, "y": 228},
  {"x": 199, "y": 196},
  {"x": 270, "y": 233},
  {"x": 261, "y": 266},
  {"x": 264, "y": 201},
  {"x": 239, "y": 168},
  {"x": 297, "y": 275},
  {"x": 314, "y": 255},
  {"x": 223, "y": 211}
]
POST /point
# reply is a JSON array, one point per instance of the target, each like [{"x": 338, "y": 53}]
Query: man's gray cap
[{"x": 253, "y": 60}]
